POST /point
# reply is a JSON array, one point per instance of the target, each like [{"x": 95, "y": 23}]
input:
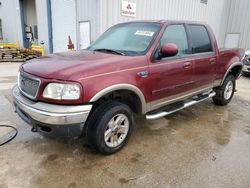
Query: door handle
[
  {"x": 212, "y": 61},
  {"x": 186, "y": 65}
]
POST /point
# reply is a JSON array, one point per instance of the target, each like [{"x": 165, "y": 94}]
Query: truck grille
[{"x": 28, "y": 85}]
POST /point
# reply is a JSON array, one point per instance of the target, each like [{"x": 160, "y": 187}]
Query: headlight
[{"x": 62, "y": 91}]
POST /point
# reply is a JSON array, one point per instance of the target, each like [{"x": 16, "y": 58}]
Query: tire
[
  {"x": 113, "y": 119},
  {"x": 224, "y": 93}
]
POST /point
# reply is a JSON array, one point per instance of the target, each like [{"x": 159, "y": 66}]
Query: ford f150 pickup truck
[{"x": 151, "y": 68}]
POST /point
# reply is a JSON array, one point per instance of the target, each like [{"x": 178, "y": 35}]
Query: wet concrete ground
[{"x": 202, "y": 146}]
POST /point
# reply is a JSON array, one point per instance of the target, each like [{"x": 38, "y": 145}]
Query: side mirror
[{"x": 169, "y": 50}]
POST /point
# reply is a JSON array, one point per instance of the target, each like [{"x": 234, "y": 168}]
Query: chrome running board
[{"x": 161, "y": 113}]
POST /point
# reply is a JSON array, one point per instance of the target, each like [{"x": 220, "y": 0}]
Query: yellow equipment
[
  {"x": 38, "y": 48},
  {"x": 9, "y": 45}
]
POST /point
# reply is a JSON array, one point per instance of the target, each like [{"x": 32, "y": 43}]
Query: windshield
[{"x": 127, "y": 38}]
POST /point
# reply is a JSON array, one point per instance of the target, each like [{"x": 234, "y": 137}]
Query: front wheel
[
  {"x": 225, "y": 93},
  {"x": 110, "y": 126}
]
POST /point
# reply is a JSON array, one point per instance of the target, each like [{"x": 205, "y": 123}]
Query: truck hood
[{"x": 74, "y": 65}]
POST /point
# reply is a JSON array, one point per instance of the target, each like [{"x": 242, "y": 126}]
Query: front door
[{"x": 172, "y": 75}]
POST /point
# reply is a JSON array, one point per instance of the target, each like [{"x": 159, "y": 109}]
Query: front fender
[{"x": 122, "y": 86}]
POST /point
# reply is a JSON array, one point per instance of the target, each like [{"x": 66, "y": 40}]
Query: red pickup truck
[{"x": 152, "y": 68}]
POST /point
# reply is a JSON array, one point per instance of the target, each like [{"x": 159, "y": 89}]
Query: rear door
[
  {"x": 172, "y": 75},
  {"x": 204, "y": 58}
]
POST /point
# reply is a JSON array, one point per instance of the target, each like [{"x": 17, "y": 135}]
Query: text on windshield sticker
[{"x": 144, "y": 33}]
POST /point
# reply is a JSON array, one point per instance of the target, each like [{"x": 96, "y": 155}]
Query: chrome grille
[{"x": 28, "y": 85}]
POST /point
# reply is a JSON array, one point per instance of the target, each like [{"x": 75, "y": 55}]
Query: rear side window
[{"x": 201, "y": 42}]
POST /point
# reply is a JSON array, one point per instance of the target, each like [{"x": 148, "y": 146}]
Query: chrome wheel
[
  {"x": 228, "y": 90},
  {"x": 117, "y": 130}
]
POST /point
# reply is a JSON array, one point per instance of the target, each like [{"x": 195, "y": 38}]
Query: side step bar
[{"x": 159, "y": 114}]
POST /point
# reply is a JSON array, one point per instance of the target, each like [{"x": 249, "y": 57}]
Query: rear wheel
[
  {"x": 110, "y": 126},
  {"x": 225, "y": 93}
]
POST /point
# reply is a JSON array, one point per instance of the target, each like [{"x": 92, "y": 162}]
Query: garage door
[{"x": 63, "y": 14}]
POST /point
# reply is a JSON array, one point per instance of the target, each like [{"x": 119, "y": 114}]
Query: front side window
[
  {"x": 200, "y": 39},
  {"x": 176, "y": 34},
  {"x": 128, "y": 38}
]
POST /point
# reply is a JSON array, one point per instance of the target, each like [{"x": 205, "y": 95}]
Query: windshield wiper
[{"x": 109, "y": 50}]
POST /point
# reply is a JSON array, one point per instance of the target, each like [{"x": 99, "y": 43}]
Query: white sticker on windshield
[{"x": 144, "y": 33}]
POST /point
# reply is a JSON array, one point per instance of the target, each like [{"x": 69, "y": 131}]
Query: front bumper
[{"x": 51, "y": 119}]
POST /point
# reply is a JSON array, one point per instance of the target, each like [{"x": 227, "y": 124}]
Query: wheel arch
[
  {"x": 119, "y": 88},
  {"x": 234, "y": 69}
]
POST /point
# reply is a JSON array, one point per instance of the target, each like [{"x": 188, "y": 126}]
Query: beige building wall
[
  {"x": 11, "y": 22},
  {"x": 239, "y": 21},
  {"x": 214, "y": 13}
]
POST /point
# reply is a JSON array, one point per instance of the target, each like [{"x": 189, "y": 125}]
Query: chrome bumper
[{"x": 49, "y": 113}]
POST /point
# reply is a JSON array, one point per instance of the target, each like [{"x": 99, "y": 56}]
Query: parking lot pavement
[{"x": 202, "y": 146}]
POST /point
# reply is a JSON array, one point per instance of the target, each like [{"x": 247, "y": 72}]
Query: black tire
[
  {"x": 219, "y": 98},
  {"x": 98, "y": 124}
]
